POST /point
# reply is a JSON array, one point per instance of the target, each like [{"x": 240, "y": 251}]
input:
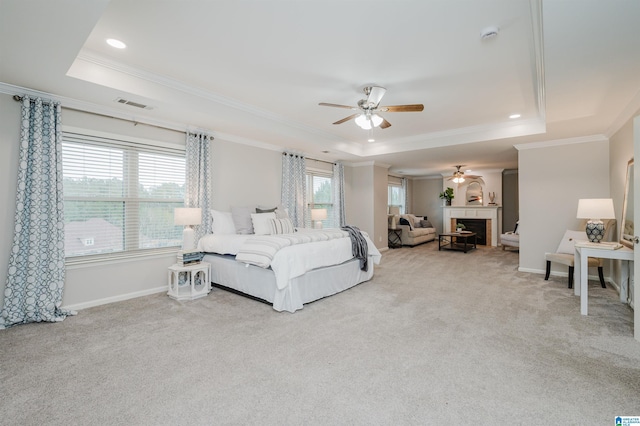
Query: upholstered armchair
[{"x": 511, "y": 238}]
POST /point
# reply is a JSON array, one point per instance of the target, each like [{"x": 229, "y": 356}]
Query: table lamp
[
  {"x": 317, "y": 216},
  {"x": 187, "y": 216},
  {"x": 595, "y": 209}
]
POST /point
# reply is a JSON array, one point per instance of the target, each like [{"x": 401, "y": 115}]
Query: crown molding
[{"x": 560, "y": 142}]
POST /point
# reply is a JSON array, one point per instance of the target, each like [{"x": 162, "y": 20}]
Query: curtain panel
[
  {"x": 36, "y": 272},
  {"x": 339, "y": 219},
  {"x": 198, "y": 180},
  {"x": 294, "y": 188}
]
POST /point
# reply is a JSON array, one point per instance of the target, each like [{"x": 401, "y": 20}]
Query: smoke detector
[{"x": 489, "y": 32}]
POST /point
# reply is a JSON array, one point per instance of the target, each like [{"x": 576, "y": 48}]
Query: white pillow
[
  {"x": 262, "y": 223},
  {"x": 569, "y": 240},
  {"x": 222, "y": 223}
]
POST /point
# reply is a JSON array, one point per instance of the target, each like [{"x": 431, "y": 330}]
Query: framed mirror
[
  {"x": 474, "y": 194},
  {"x": 626, "y": 226}
]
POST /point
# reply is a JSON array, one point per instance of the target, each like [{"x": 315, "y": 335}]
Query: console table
[{"x": 584, "y": 250}]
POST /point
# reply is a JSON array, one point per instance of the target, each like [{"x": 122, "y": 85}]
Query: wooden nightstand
[{"x": 189, "y": 282}]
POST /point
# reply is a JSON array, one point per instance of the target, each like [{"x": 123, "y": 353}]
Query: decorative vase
[
  {"x": 448, "y": 202},
  {"x": 595, "y": 230}
]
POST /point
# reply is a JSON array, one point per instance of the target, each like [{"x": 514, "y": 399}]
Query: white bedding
[{"x": 294, "y": 260}]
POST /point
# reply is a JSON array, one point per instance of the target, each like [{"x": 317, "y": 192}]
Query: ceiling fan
[
  {"x": 367, "y": 116},
  {"x": 459, "y": 177}
]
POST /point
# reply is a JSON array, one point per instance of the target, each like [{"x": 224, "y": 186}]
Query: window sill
[{"x": 124, "y": 257}]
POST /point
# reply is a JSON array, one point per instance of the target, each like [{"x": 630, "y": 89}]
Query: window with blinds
[
  {"x": 119, "y": 196},
  {"x": 320, "y": 194},
  {"x": 395, "y": 194}
]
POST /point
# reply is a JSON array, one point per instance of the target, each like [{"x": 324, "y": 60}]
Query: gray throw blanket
[{"x": 359, "y": 247}]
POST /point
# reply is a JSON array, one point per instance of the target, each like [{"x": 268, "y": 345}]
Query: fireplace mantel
[{"x": 492, "y": 214}]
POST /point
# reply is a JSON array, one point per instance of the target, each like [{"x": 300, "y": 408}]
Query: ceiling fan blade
[
  {"x": 385, "y": 124},
  {"x": 402, "y": 108},
  {"x": 375, "y": 95},
  {"x": 351, "y": 117},
  {"x": 336, "y": 105}
]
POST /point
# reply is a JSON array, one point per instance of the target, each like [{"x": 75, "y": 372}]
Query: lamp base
[
  {"x": 595, "y": 230},
  {"x": 188, "y": 239},
  {"x": 317, "y": 224}
]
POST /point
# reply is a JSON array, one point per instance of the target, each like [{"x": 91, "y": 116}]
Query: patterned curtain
[
  {"x": 339, "y": 217},
  {"x": 294, "y": 188},
  {"x": 405, "y": 196},
  {"x": 35, "y": 279},
  {"x": 198, "y": 180}
]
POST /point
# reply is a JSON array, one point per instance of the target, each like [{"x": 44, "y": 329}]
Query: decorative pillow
[
  {"x": 262, "y": 223},
  {"x": 222, "y": 223},
  {"x": 404, "y": 221},
  {"x": 568, "y": 241},
  {"x": 282, "y": 226},
  {"x": 426, "y": 224},
  {"x": 279, "y": 210},
  {"x": 259, "y": 210},
  {"x": 242, "y": 220}
]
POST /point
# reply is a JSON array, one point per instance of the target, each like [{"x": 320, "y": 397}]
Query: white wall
[
  {"x": 426, "y": 200},
  {"x": 552, "y": 179},
  {"x": 360, "y": 203},
  {"x": 244, "y": 175}
]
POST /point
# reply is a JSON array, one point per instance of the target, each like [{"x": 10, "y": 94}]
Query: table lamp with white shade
[
  {"x": 317, "y": 216},
  {"x": 595, "y": 209},
  {"x": 187, "y": 216}
]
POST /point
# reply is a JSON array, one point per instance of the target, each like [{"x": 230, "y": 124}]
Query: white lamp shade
[
  {"x": 318, "y": 214},
  {"x": 376, "y": 120},
  {"x": 363, "y": 122},
  {"x": 595, "y": 208},
  {"x": 187, "y": 216}
]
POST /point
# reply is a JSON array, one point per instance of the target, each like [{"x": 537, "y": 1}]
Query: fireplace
[
  {"x": 483, "y": 220},
  {"x": 479, "y": 226}
]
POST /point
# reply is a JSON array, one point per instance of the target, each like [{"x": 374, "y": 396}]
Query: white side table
[
  {"x": 585, "y": 250},
  {"x": 189, "y": 282}
]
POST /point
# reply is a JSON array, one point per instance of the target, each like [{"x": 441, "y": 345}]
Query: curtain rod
[
  {"x": 135, "y": 123},
  {"x": 312, "y": 159}
]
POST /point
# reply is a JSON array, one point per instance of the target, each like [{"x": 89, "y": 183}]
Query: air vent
[{"x": 133, "y": 104}]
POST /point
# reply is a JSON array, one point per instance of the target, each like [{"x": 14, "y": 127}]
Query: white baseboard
[{"x": 118, "y": 298}]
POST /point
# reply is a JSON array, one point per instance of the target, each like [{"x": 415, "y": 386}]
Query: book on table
[{"x": 605, "y": 245}]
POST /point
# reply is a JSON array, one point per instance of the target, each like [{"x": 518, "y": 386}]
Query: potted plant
[
  {"x": 447, "y": 195},
  {"x": 460, "y": 227}
]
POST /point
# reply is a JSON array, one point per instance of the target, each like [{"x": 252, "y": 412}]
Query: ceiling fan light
[
  {"x": 376, "y": 119},
  {"x": 363, "y": 121}
]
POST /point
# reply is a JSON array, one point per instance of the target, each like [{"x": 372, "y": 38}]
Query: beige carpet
[{"x": 435, "y": 338}]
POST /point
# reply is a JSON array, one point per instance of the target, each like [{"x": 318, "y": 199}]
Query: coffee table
[{"x": 459, "y": 241}]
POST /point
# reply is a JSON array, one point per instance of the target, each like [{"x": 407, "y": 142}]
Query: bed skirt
[{"x": 261, "y": 283}]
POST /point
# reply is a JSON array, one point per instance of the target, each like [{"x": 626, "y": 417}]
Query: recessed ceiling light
[
  {"x": 116, "y": 43},
  {"x": 371, "y": 140},
  {"x": 514, "y": 116}
]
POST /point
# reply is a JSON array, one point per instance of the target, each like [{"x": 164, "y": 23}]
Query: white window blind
[{"x": 119, "y": 196}]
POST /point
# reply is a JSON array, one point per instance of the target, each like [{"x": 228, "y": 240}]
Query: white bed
[{"x": 297, "y": 274}]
